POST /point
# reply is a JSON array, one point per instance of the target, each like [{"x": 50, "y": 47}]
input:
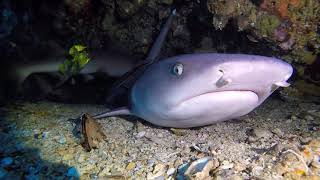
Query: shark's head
[{"x": 182, "y": 88}]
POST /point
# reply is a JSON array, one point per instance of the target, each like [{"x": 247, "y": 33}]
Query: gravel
[{"x": 38, "y": 142}]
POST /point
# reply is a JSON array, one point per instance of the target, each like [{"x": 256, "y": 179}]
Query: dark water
[{"x": 36, "y": 132}]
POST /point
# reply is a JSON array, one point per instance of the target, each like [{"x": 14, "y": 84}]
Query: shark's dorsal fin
[
  {"x": 127, "y": 80},
  {"x": 157, "y": 45}
]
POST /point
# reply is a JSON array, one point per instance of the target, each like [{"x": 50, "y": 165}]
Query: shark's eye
[{"x": 177, "y": 69}]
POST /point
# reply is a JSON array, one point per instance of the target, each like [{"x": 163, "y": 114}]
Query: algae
[{"x": 266, "y": 24}]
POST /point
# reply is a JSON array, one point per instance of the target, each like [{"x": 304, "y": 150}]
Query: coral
[
  {"x": 280, "y": 7},
  {"x": 290, "y": 26},
  {"x": 266, "y": 25},
  {"x": 223, "y": 10}
]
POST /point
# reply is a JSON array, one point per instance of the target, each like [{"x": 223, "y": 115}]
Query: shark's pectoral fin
[
  {"x": 282, "y": 84},
  {"x": 115, "y": 112}
]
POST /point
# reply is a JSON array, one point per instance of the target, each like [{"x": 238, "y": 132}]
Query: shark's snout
[{"x": 287, "y": 73}]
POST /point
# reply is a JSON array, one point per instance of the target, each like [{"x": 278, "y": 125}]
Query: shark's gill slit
[{"x": 221, "y": 81}]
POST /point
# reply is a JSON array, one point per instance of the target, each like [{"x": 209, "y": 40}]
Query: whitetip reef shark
[
  {"x": 200, "y": 89},
  {"x": 194, "y": 90}
]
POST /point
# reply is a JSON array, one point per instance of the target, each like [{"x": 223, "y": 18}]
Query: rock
[
  {"x": 7, "y": 161},
  {"x": 182, "y": 169},
  {"x": 226, "y": 165},
  {"x": 130, "y": 166},
  {"x": 309, "y": 118},
  {"x": 200, "y": 168},
  {"x": 82, "y": 157},
  {"x": 257, "y": 170},
  {"x": 113, "y": 177},
  {"x": 299, "y": 165},
  {"x": 178, "y": 132},
  {"x": 259, "y": 133},
  {"x": 278, "y": 132},
  {"x": 140, "y": 134},
  {"x": 62, "y": 140},
  {"x": 158, "y": 172},
  {"x": 67, "y": 157},
  {"x": 239, "y": 167},
  {"x": 73, "y": 172},
  {"x": 171, "y": 171}
]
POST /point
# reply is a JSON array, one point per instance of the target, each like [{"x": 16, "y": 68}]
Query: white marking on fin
[{"x": 282, "y": 84}]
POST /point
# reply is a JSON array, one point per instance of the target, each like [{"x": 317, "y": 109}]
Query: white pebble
[{"x": 171, "y": 171}]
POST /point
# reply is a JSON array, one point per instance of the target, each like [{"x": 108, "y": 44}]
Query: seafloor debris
[
  {"x": 42, "y": 146},
  {"x": 300, "y": 165},
  {"x": 91, "y": 132},
  {"x": 201, "y": 168}
]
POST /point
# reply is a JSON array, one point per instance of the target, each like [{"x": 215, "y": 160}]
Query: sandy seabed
[{"x": 279, "y": 140}]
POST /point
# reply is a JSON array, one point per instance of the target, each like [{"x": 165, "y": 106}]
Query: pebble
[
  {"x": 294, "y": 118},
  {"x": 73, "y": 172},
  {"x": 179, "y": 132},
  {"x": 239, "y": 167},
  {"x": 309, "y": 118},
  {"x": 130, "y": 166},
  {"x": 171, "y": 171},
  {"x": 257, "y": 170},
  {"x": 81, "y": 158},
  {"x": 158, "y": 171},
  {"x": 278, "y": 132},
  {"x": 158, "y": 168},
  {"x": 45, "y": 135},
  {"x": 152, "y": 154},
  {"x": 140, "y": 134},
  {"x": 259, "y": 133},
  {"x": 6, "y": 161},
  {"x": 67, "y": 157},
  {"x": 226, "y": 165},
  {"x": 62, "y": 140}
]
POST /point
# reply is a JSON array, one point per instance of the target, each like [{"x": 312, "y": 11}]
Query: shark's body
[
  {"x": 112, "y": 64},
  {"x": 200, "y": 89}
]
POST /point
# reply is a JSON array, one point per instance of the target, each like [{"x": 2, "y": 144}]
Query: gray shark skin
[{"x": 200, "y": 89}]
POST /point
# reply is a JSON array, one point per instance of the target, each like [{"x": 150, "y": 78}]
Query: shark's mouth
[
  {"x": 216, "y": 103},
  {"x": 215, "y": 92},
  {"x": 260, "y": 93}
]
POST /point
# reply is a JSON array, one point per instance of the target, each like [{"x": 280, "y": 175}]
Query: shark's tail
[{"x": 19, "y": 72}]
